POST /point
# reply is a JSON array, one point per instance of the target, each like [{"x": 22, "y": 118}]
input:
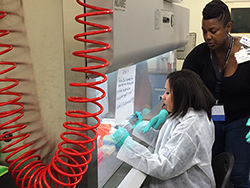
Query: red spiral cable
[{"x": 68, "y": 165}]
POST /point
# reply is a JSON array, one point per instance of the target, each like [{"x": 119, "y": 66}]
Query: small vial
[{"x": 133, "y": 119}]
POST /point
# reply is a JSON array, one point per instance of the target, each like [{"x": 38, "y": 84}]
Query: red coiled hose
[{"x": 68, "y": 165}]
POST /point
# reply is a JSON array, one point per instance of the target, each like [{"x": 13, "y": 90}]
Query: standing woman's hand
[{"x": 248, "y": 134}]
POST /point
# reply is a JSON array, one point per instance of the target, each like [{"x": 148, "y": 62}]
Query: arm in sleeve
[
  {"x": 174, "y": 157},
  {"x": 149, "y": 137}
]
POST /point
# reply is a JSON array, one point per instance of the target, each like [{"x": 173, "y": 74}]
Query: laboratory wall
[{"x": 37, "y": 40}]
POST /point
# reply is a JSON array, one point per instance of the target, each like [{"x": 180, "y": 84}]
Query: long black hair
[
  {"x": 217, "y": 9},
  {"x": 189, "y": 91}
]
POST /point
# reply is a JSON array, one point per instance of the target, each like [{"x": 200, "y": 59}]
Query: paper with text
[{"x": 125, "y": 93}]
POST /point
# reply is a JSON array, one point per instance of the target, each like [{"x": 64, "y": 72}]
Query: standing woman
[{"x": 214, "y": 61}]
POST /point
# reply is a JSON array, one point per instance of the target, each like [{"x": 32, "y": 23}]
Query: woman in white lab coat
[{"x": 182, "y": 147}]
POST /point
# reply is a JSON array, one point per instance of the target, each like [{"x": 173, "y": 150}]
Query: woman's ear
[{"x": 229, "y": 27}]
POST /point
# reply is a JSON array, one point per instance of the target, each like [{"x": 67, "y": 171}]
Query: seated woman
[{"x": 182, "y": 147}]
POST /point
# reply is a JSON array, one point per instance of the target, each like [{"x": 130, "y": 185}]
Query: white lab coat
[{"x": 181, "y": 155}]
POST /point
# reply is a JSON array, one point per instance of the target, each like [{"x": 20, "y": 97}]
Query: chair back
[{"x": 222, "y": 167}]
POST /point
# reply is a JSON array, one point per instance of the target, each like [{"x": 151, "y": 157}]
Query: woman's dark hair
[
  {"x": 188, "y": 90},
  {"x": 217, "y": 9}
]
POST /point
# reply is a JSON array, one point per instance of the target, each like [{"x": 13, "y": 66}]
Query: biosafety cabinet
[{"x": 74, "y": 71}]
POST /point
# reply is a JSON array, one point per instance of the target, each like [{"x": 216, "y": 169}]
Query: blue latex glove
[
  {"x": 248, "y": 134},
  {"x": 120, "y": 135},
  {"x": 138, "y": 116},
  {"x": 157, "y": 120}
]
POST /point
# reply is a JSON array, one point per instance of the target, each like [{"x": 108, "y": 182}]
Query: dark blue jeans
[{"x": 230, "y": 137}]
